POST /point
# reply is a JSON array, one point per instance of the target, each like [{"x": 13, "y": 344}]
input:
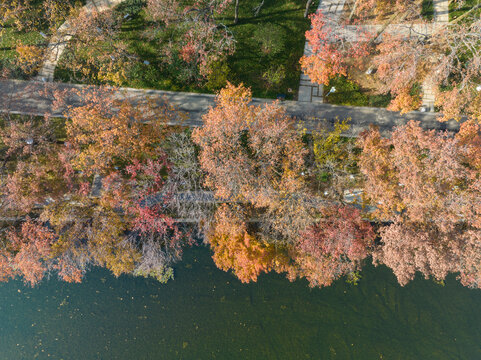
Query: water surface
[{"x": 206, "y": 313}]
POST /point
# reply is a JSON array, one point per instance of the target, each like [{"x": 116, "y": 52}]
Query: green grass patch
[
  {"x": 269, "y": 45},
  {"x": 427, "y": 10},
  {"x": 351, "y": 94},
  {"x": 268, "y": 49},
  {"x": 456, "y": 11}
]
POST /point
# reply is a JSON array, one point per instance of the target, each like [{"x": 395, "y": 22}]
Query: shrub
[
  {"x": 218, "y": 75},
  {"x": 271, "y": 38},
  {"x": 274, "y": 76}
]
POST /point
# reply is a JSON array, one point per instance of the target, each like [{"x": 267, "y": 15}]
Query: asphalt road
[{"x": 37, "y": 98}]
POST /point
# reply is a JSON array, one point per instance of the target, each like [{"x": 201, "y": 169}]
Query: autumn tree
[
  {"x": 237, "y": 250},
  {"x": 331, "y": 51},
  {"x": 89, "y": 234},
  {"x": 32, "y": 171},
  {"x": 428, "y": 185},
  {"x": 407, "y": 51},
  {"x": 106, "y": 133},
  {"x": 446, "y": 59},
  {"x": 251, "y": 154},
  {"x": 411, "y": 247},
  {"x": 27, "y": 26},
  {"x": 146, "y": 202},
  {"x": 334, "y": 246},
  {"x": 200, "y": 40},
  {"x": 419, "y": 174},
  {"x": 29, "y": 15},
  {"x": 96, "y": 52},
  {"x": 27, "y": 252}
]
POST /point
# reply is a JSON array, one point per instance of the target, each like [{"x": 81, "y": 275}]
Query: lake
[{"x": 206, "y": 313}]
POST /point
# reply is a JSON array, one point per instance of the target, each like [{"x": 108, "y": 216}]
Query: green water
[{"x": 207, "y": 314}]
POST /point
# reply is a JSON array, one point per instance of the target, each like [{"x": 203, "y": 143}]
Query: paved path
[
  {"x": 36, "y": 98},
  {"x": 332, "y": 9},
  {"x": 64, "y": 33},
  {"x": 311, "y": 92},
  {"x": 441, "y": 18}
]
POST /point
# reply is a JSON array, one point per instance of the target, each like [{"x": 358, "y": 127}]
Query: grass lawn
[
  {"x": 455, "y": 11},
  {"x": 349, "y": 93},
  {"x": 427, "y": 10},
  {"x": 9, "y": 37},
  {"x": 249, "y": 63},
  {"x": 268, "y": 46}
]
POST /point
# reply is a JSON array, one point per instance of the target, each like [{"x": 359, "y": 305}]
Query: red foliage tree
[
  {"x": 330, "y": 50},
  {"x": 334, "y": 246}
]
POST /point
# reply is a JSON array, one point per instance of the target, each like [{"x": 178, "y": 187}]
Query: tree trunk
[
  {"x": 353, "y": 11},
  {"x": 257, "y": 9},
  {"x": 309, "y": 2},
  {"x": 236, "y": 12}
]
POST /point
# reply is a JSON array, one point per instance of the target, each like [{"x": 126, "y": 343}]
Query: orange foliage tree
[
  {"x": 330, "y": 50},
  {"x": 253, "y": 154},
  {"x": 235, "y": 249},
  {"x": 249, "y": 153},
  {"x": 105, "y": 133},
  {"x": 31, "y": 163}
]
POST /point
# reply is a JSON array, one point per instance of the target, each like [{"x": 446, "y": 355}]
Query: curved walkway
[{"x": 59, "y": 41}]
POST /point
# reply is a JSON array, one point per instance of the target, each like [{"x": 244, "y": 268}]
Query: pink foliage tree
[
  {"x": 334, "y": 246},
  {"x": 429, "y": 185},
  {"x": 31, "y": 250}
]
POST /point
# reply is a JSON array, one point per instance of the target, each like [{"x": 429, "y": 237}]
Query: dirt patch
[{"x": 370, "y": 83}]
